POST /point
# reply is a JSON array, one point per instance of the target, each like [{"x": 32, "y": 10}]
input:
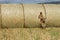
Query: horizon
[{"x": 27, "y": 1}]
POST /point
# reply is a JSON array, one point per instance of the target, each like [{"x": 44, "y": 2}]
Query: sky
[{"x": 27, "y": 1}]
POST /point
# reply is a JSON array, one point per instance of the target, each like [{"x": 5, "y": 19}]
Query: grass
[{"x": 50, "y": 33}]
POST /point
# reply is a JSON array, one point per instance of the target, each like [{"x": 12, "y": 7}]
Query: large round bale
[
  {"x": 32, "y": 12},
  {"x": 20, "y": 15},
  {"x": 12, "y": 15},
  {"x": 53, "y": 15},
  {"x": 51, "y": 12}
]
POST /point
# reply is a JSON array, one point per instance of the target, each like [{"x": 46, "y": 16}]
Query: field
[{"x": 12, "y": 22}]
